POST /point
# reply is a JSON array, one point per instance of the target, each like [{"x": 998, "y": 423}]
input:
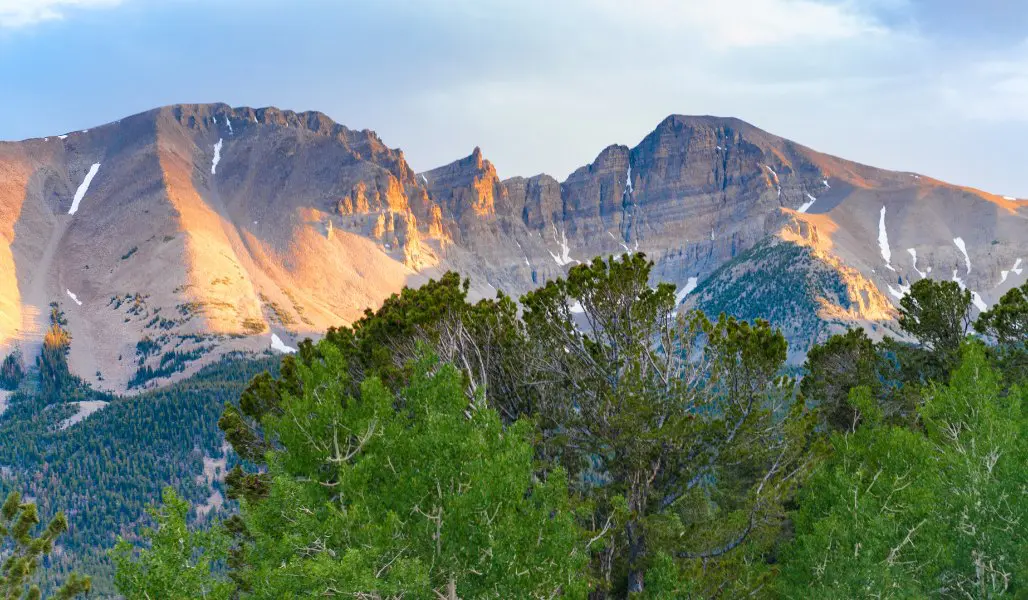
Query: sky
[{"x": 938, "y": 87}]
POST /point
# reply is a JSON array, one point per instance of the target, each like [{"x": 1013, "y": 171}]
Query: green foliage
[
  {"x": 384, "y": 494},
  {"x": 178, "y": 563},
  {"x": 22, "y": 552},
  {"x": 11, "y": 371},
  {"x": 678, "y": 431},
  {"x": 938, "y": 512},
  {"x": 105, "y": 471},
  {"x": 938, "y": 315},
  {"x": 1006, "y": 323},
  {"x": 845, "y": 362}
]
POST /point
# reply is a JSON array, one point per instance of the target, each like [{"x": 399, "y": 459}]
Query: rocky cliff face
[{"x": 179, "y": 234}]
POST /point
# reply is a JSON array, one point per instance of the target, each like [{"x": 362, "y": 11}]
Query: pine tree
[{"x": 17, "y": 522}]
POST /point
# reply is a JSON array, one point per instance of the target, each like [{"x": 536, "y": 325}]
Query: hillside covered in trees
[{"x": 591, "y": 440}]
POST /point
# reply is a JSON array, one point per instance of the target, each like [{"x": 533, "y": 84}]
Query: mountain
[{"x": 177, "y": 235}]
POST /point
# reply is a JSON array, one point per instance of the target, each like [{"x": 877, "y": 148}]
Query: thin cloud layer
[{"x": 22, "y": 13}]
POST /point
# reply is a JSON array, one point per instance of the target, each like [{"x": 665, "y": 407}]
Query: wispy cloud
[
  {"x": 22, "y": 13},
  {"x": 728, "y": 24},
  {"x": 993, "y": 89}
]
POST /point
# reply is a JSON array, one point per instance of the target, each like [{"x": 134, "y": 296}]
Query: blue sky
[{"x": 934, "y": 86}]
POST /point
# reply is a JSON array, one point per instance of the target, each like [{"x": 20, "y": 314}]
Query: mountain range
[{"x": 176, "y": 236}]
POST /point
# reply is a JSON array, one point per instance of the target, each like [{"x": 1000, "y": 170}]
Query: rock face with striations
[{"x": 203, "y": 229}]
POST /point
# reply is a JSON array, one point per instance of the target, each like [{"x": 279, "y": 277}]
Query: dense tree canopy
[{"x": 590, "y": 440}]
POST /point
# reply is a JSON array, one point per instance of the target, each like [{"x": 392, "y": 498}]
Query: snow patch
[
  {"x": 83, "y": 188},
  {"x": 899, "y": 293},
  {"x": 1011, "y": 198},
  {"x": 523, "y": 252},
  {"x": 564, "y": 258},
  {"x": 623, "y": 245},
  {"x": 1016, "y": 269},
  {"x": 217, "y": 156},
  {"x": 73, "y": 297},
  {"x": 690, "y": 285},
  {"x": 976, "y": 299},
  {"x": 913, "y": 255},
  {"x": 628, "y": 180},
  {"x": 425, "y": 179},
  {"x": 228, "y": 122},
  {"x": 883, "y": 241},
  {"x": 826, "y": 184},
  {"x": 62, "y": 137},
  {"x": 84, "y": 410},
  {"x": 963, "y": 249},
  {"x": 774, "y": 175},
  {"x": 278, "y": 345},
  {"x": 806, "y": 205}
]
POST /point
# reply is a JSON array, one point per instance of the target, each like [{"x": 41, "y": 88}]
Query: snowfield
[
  {"x": 883, "y": 241},
  {"x": 83, "y": 188},
  {"x": 963, "y": 249},
  {"x": 217, "y": 156},
  {"x": 279, "y": 346},
  {"x": 690, "y": 285}
]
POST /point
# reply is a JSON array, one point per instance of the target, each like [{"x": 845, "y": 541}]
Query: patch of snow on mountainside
[
  {"x": 899, "y": 293},
  {"x": 228, "y": 121},
  {"x": 83, "y": 188},
  {"x": 425, "y": 179},
  {"x": 690, "y": 285},
  {"x": 913, "y": 256},
  {"x": 84, "y": 410},
  {"x": 883, "y": 241},
  {"x": 1011, "y": 198},
  {"x": 826, "y": 184},
  {"x": 278, "y": 345},
  {"x": 806, "y": 205},
  {"x": 1016, "y": 269},
  {"x": 217, "y": 156},
  {"x": 628, "y": 179},
  {"x": 522, "y": 251},
  {"x": 73, "y": 297},
  {"x": 623, "y": 245},
  {"x": 963, "y": 249},
  {"x": 976, "y": 299},
  {"x": 564, "y": 258}
]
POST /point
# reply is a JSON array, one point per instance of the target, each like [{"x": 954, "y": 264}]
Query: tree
[
  {"x": 389, "y": 494},
  {"x": 676, "y": 430},
  {"x": 844, "y": 363},
  {"x": 1007, "y": 321},
  {"x": 1006, "y": 324},
  {"x": 179, "y": 563},
  {"x": 936, "y": 512},
  {"x": 938, "y": 315},
  {"x": 11, "y": 371},
  {"x": 24, "y": 551},
  {"x": 53, "y": 360}
]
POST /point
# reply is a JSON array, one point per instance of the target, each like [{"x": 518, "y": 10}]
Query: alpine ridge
[{"x": 176, "y": 236}]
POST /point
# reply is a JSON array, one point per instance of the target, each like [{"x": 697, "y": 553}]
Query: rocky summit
[{"x": 175, "y": 236}]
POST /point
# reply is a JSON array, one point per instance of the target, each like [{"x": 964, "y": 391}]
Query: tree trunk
[{"x": 636, "y": 552}]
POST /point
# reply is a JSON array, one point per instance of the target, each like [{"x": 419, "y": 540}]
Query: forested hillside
[
  {"x": 104, "y": 470},
  {"x": 592, "y": 439}
]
